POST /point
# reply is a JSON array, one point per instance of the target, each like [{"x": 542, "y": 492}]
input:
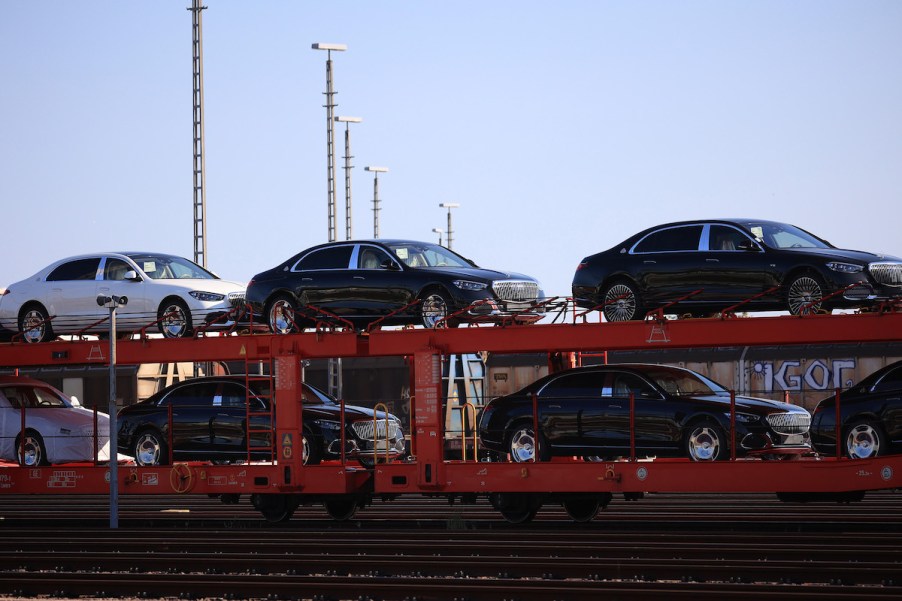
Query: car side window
[
  {"x": 19, "y": 396},
  {"x": 586, "y": 385},
  {"x": 46, "y": 398},
  {"x": 890, "y": 382},
  {"x": 371, "y": 257},
  {"x": 670, "y": 239},
  {"x": 80, "y": 269},
  {"x": 115, "y": 270},
  {"x": 235, "y": 395},
  {"x": 724, "y": 238},
  {"x": 335, "y": 257},
  {"x": 625, "y": 383},
  {"x": 192, "y": 395}
]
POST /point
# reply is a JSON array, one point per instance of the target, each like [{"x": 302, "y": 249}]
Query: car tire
[
  {"x": 522, "y": 443},
  {"x": 803, "y": 289},
  {"x": 435, "y": 306},
  {"x": 312, "y": 453},
  {"x": 705, "y": 441},
  {"x": 34, "y": 324},
  {"x": 281, "y": 314},
  {"x": 174, "y": 319},
  {"x": 864, "y": 439},
  {"x": 150, "y": 448},
  {"x": 35, "y": 453},
  {"x": 628, "y": 304}
]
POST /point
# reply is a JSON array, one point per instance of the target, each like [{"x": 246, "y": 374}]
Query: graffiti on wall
[{"x": 797, "y": 375}]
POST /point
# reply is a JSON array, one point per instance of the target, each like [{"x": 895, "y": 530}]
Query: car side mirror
[
  {"x": 74, "y": 401},
  {"x": 132, "y": 276},
  {"x": 747, "y": 245},
  {"x": 390, "y": 265}
]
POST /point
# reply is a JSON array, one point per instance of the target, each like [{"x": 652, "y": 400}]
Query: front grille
[
  {"x": 513, "y": 290},
  {"x": 789, "y": 423},
  {"x": 364, "y": 429},
  {"x": 889, "y": 274},
  {"x": 236, "y": 298}
]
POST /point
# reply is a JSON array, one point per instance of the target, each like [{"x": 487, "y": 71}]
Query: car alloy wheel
[
  {"x": 150, "y": 449},
  {"x": 175, "y": 319},
  {"x": 523, "y": 444},
  {"x": 804, "y": 295},
  {"x": 863, "y": 440},
  {"x": 35, "y": 326},
  {"x": 705, "y": 443},
  {"x": 433, "y": 309},
  {"x": 621, "y": 302},
  {"x": 32, "y": 453},
  {"x": 281, "y": 316}
]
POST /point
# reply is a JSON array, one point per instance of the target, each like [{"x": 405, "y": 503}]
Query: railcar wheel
[
  {"x": 150, "y": 449},
  {"x": 516, "y": 508},
  {"x": 622, "y": 302},
  {"x": 175, "y": 319},
  {"x": 705, "y": 441},
  {"x": 34, "y": 324},
  {"x": 341, "y": 508},
  {"x": 275, "y": 508},
  {"x": 804, "y": 294},
  {"x": 864, "y": 440},
  {"x": 33, "y": 453},
  {"x": 585, "y": 507}
]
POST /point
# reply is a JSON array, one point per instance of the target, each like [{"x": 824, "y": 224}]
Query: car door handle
[
  {"x": 649, "y": 262},
  {"x": 712, "y": 260},
  {"x": 359, "y": 277},
  {"x": 615, "y": 407},
  {"x": 306, "y": 279},
  {"x": 554, "y": 406}
]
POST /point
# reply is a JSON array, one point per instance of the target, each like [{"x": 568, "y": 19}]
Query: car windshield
[
  {"x": 783, "y": 235},
  {"x": 417, "y": 254},
  {"x": 679, "y": 382},
  {"x": 166, "y": 267}
]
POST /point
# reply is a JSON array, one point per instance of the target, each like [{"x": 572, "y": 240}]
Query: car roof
[{"x": 23, "y": 380}]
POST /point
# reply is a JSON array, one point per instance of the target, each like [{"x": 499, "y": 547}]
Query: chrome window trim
[{"x": 294, "y": 268}]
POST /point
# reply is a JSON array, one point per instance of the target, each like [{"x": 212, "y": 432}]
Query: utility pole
[{"x": 330, "y": 132}]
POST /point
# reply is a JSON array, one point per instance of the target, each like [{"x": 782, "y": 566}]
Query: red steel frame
[{"x": 429, "y": 472}]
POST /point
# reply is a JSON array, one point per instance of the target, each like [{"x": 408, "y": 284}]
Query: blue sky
[{"x": 560, "y": 128}]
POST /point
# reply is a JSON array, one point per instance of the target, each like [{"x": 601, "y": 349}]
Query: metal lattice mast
[
  {"x": 200, "y": 205},
  {"x": 330, "y": 131}
]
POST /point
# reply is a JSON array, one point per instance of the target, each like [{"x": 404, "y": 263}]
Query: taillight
[{"x": 581, "y": 265}]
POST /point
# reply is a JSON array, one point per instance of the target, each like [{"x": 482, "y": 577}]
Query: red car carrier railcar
[{"x": 517, "y": 490}]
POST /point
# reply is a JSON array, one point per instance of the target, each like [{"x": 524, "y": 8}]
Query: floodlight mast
[
  {"x": 347, "y": 121},
  {"x": 449, "y": 206},
  {"x": 330, "y": 133},
  {"x": 376, "y": 171}
]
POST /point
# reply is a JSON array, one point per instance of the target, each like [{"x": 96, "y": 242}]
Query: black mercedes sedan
[
  {"x": 210, "y": 416},
  {"x": 677, "y": 413},
  {"x": 870, "y": 417},
  {"x": 710, "y": 265},
  {"x": 403, "y": 281}
]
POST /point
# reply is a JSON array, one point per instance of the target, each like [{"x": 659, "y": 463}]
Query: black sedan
[
  {"x": 677, "y": 413},
  {"x": 870, "y": 414},
  {"x": 209, "y": 418},
  {"x": 711, "y": 265},
  {"x": 403, "y": 281}
]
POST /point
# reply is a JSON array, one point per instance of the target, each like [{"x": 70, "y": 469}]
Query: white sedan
[
  {"x": 56, "y": 429},
  {"x": 170, "y": 293}
]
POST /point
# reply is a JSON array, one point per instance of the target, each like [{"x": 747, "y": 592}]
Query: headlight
[
  {"x": 744, "y": 418},
  {"x": 845, "y": 267},
  {"x": 326, "y": 424},
  {"x": 206, "y": 296},
  {"x": 468, "y": 285}
]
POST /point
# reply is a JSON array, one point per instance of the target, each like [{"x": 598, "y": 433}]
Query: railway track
[{"x": 678, "y": 546}]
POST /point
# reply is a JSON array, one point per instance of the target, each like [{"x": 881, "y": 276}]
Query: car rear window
[
  {"x": 80, "y": 269},
  {"x": 338, "y": 257},
  {"x": 670, "y": 239}
]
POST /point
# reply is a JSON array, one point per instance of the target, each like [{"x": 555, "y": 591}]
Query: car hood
[
  {"x": 750, "y": 404},
  {"x": 489, "y": 275},
  {"x": 839, "y": 254},
  {"x": 352, "y": 412}
]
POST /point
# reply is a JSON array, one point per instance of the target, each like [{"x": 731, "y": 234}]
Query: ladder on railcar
[{"x": 259, "y": 382}]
